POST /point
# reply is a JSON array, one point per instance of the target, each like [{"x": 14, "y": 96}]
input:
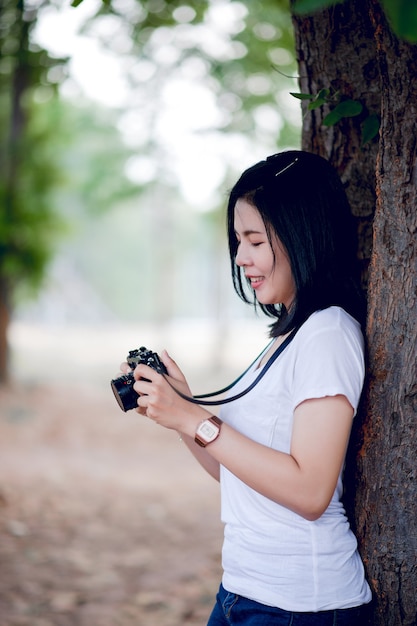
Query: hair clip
[{"x": 286, "y": 167}]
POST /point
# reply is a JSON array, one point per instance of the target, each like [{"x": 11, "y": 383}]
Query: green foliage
[
  {"x": 92, "y": 154},
  {"x": 28, "y": 169},
  {"x": 46, "y": 149},
  {"x": 28, "y": 225},
  {"x": 59, "y": 163},
  {"x": 305, "y": 7},
  {"x": 370, "y": 128},
  {"x": 147, "y": 15},
  {"x": 342, "y": 108},
  {"x": 401, "y": 14},
  {"x": 251, "y": 67},
  {"x": 345, "y": 108}
]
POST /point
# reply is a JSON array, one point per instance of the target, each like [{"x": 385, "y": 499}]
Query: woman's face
[{"x": 270, "y": 277}]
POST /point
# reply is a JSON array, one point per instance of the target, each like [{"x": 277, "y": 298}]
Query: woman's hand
[{"x": 159, "y": 401}]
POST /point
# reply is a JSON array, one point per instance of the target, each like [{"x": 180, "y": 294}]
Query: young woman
[{"x": 289, "y": 556}]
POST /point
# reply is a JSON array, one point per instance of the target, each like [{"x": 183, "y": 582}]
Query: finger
[
  {"x": 143, "y": 388},
  {"x": 125, "y": 368},
  {"x": 172, "y": 367},
  {"x": 142, "y": 403},
  {"x": 143, "y": 371}
]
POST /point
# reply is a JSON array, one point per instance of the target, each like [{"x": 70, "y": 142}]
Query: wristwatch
[{"x": 208, "y": 431}]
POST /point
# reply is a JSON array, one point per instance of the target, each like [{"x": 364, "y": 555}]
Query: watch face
[{"x": 208, "y": 431}]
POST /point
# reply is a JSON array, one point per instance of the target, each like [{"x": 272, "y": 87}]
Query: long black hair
[{"x": 301, "y": 199}]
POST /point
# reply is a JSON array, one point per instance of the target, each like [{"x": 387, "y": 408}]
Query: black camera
[{"x": 122, "y": 387}]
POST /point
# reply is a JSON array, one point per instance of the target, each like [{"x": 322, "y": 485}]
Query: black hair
[{"x": 301, "y": 199}]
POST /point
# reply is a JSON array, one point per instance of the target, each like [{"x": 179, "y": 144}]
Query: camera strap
[{"x": 199, "y": 399}]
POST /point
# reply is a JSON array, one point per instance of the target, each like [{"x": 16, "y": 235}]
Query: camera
[{"x": 122, "y": 387}]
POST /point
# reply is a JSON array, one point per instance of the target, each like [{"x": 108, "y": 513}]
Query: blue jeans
[{"x": 233, "y": 610}]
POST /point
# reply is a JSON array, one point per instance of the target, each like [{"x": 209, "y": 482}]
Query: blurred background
[
  {"x": 126, "y": 123},
  {"x": 123, "y": 125}
]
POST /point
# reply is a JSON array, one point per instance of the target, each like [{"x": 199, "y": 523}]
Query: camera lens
[{"x": 124, "y": 393}]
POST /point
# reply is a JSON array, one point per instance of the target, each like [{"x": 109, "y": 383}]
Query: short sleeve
[{"x": 330, "y": 359}]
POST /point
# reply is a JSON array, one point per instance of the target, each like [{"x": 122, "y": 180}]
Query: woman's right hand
[{"x": 177, "y": 377}]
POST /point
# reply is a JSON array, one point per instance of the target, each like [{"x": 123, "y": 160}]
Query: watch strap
[{"x": 215, "y": 419}]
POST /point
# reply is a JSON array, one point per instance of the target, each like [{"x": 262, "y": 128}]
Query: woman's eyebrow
[{"x": 248, "y": 232}]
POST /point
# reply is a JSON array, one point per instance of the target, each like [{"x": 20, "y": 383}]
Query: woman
[{"x": 289, "y": 556}]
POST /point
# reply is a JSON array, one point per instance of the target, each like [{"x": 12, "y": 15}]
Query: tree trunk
[
  {"x": 4, "y": 324},
  {"x": 386, "y": 495},
  {"x": 19, "y": 83},
  {"x": 350, "y": 48}
]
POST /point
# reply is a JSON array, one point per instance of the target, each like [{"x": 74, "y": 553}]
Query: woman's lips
[{"x": 255, "y": 281}]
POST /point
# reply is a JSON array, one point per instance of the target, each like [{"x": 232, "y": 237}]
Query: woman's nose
[{"x": 242, "y": 258}]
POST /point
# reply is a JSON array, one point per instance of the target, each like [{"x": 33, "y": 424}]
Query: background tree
[
  {"x": 57, "y": 162},
  {"x": 350, "y": 50},
  {"x": 27, "y": 166}
]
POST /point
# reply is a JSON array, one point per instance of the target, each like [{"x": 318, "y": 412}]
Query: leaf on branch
[
  {"x": 323, "y": 94},
  {"x": 316, "y": 104},
  {"x": 303, "y": 96},
  {"x": 402, "y": 17},
  {"x": 321, "y": 98},
  {"x": 304, "y": 7},
  {"x": 349, "y": 108},
  {"x": 331, "y": 118},
  {"x": 346, "y": 108},
  {"x": 370, "y": 128}
]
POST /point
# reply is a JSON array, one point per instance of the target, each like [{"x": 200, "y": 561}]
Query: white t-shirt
[{"x": 271, "y": 554}]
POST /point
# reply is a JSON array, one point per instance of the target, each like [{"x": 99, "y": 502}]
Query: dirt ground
[{"x": 105, "y": 519}]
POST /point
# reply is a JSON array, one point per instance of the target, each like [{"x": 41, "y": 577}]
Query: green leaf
[
  {"x": 304, "y": 7},
  {"x": 76, "y": 3},
  {"x": 320, "y": 99},
  {"x": 346, "y": 108},
  {"x": 349, "y": 108},
  {"x": 370, "y": 128},
  {"x": 332, "y": 118},
  {"x": 302, "y": 96},
  {"x": 402, "y": 15},
  {"x": 323, "y": 94},
  {"x": 316, "y": 104}
]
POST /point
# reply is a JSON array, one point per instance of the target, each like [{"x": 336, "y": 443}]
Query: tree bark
[
  {"x": 19, "y": 83},
  {"x": 350, "y": 47},
  {"x": 386, "y": 495},
  {"x": 4, "y": 325}
]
